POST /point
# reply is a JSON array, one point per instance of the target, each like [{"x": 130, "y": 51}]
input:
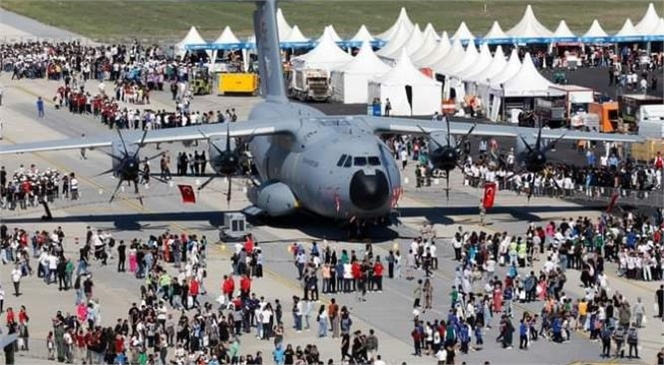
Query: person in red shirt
[
  {"x": 23, "y": 316},
  {"x": 245, "y": 286},
  {"x": 228, "y": 287},
  {"x": 378, "y": 270},
  {"x": 356, "y": 271},
  {"x": 249, "y": 244},
  {"x": 119, "y": 344},
  {"x": 194, "y": 288},
  {"x": 11, "y": 317}
]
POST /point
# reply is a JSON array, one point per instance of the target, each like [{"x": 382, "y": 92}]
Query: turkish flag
[
  {"x": 489, "y": 195},
  {"x": 187, "y": 192}
]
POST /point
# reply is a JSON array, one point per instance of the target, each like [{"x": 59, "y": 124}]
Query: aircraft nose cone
[{"x": 369, "y": 192}]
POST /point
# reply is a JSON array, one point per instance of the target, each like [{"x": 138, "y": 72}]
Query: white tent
[
  {"x": 226, "y": 37},
  {"x": 649, "y": 21},
  {"x": 628, "y": 30},
  {"x": 398, "y": 40},
  {"x": 326, "y": 55},
  {"x": 595, "y": 31},
  {"x": 463, "y": 33},
  {"x": 451, "y": 59},
  {"x": 331, "y": 32},
  {"x": 497, "y": 64},
  {"x": 412, "y": 43},
  {"x": 192, "y": 37},
  {"x": 659, "y": 29},
  {"x": 511, "y": 68},
  {"x": 429, "y": 43},
  {"x": 527, "y": 82},
  {"x": 495, "y": 33},
  {"x": 402, "y": 81},
  {"x": 362, "y": 36},
  {"x": 283, "y": 27},
  {"x": 404, "y": 20},
  {"x": 563, "y": 33},
  {"x": 437, "y": 54},
  {"x": 350, "y": 81},
  {"x": 529, "y": 27},
  {"x": 294, "y": 37},
  {"x": 483, "y": 61},
  {"x": 468, "y": 59}
]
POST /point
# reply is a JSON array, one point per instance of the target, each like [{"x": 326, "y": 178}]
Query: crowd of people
[{"x": 28, "y": 187}]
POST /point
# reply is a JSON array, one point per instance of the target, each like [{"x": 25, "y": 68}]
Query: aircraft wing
[
  {"x": 414, "y": 126},
  {"x": 189, "y": 133}
]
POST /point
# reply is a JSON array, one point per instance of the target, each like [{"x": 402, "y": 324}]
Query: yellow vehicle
[{"x": 237, "y": 83}]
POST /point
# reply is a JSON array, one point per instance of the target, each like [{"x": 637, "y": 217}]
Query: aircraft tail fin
[{"x": 269, "y": 56}]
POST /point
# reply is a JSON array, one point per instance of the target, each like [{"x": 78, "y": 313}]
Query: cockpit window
[
  {"x": 374, "y": 161},
  {"x": 360, "y": 161},
  {"x": 349, "y": 161},
  {"x": 341, "y": 160}
]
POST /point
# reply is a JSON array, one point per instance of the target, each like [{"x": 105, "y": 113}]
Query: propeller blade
[
  {"x": 209, "y": 180},
  {"x": 140, "y": 144},
  {"x": 111, "y": 155},
  {"x": 116, "y": 190},
  {"x": 228, "y": 195},
  {"x": 447, "y": 183},
  {"x": 210, "y": 142},
  {"x": 136, "y": 191},
  {"x": 551, "y": 145},
  {"x": 228, "y": 138},
  {"x": 530, "y": 149},
  {"x": 466, "y": 136},
  {"x": 124, "y": 145},
  {"x": 538, "y": 141},
  {"x": 430, "y": 139},
  {"x": 449, "y": 132},
  {"x": 105, "y": 172}
]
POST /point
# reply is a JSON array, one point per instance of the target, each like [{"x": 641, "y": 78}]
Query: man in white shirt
[{"x": 16, "y": 279}]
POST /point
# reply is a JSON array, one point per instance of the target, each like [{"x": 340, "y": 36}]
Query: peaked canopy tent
[
  {"x": 411, "y": 43},
  {"x": 595, "y": 34},
  {"x": 527, "y": 82},
  {"x": 658, "y": 33},
  {"x": 409, "y": 91},
  {"x": 350, "y": 81},
  {"x": 227, "y": 41},
  {"x": 398, "y": 40},
  {"x": 496, "y": 65},
  {"x": 451, "y": 58},
  {"x": 463, "y": 34},
  {"x": 283, "y": 28},
  {"x": 484, "y": 82},
  {"x": 295, "y": 39},
  {"x": 429, "y": 43},
  {"x": 529, "y": 29},
  {"x": 426, "y": 60},
  {"x": 332, "y": 33},
  {"x": 468, "y": 60},
  {"x": 496, "y": 35},
  {"x": 192, "y": 40},
  {"x": 648, "y": 24},
  {"x": 457, "y": 77},
  {"x": 563, "y": 34},
  {"x": 362, "y": 35},
  {"x": 326, "y": 55},
  {"x": 628, "y": 33},
  {"x": 404, "y": 20}
]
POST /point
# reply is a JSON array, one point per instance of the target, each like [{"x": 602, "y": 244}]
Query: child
[
  {"x": 50, "y": 345},
  {"x": 478, "y": 336}
]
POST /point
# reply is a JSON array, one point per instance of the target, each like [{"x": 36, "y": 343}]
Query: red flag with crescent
[
  {"x": 489, "y": 195},
  {"x": 187, "y": 192}
]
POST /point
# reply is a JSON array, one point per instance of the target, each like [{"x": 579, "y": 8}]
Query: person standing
[
  {"x": 659, "y": 298},
  {"x": 40, "y": 107},
  {"x": 16, "y": 279},
  {"x": 633, "y": 342},
  {"x": 388, "y": 107},
  {"x": 2, "y": 299},
  {"x": 122, "y": 256},
  {"x": 390, "y": 265},
  {"x": 482, "y": 212},
  {"x": 417, "y": 294}
]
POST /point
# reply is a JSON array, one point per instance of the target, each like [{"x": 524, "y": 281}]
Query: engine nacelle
[
  {"x": 275, "y": 198},
  {"x": 442, "y": 154}
]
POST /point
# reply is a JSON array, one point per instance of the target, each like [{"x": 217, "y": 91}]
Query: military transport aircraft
[{"x": 333, "y": 166}]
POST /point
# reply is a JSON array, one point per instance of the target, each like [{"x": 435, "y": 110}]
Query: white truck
[{"x": 310, "y": 85}]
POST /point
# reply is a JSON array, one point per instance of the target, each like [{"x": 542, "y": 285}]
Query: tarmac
[{"x": 389, "y": 312}]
